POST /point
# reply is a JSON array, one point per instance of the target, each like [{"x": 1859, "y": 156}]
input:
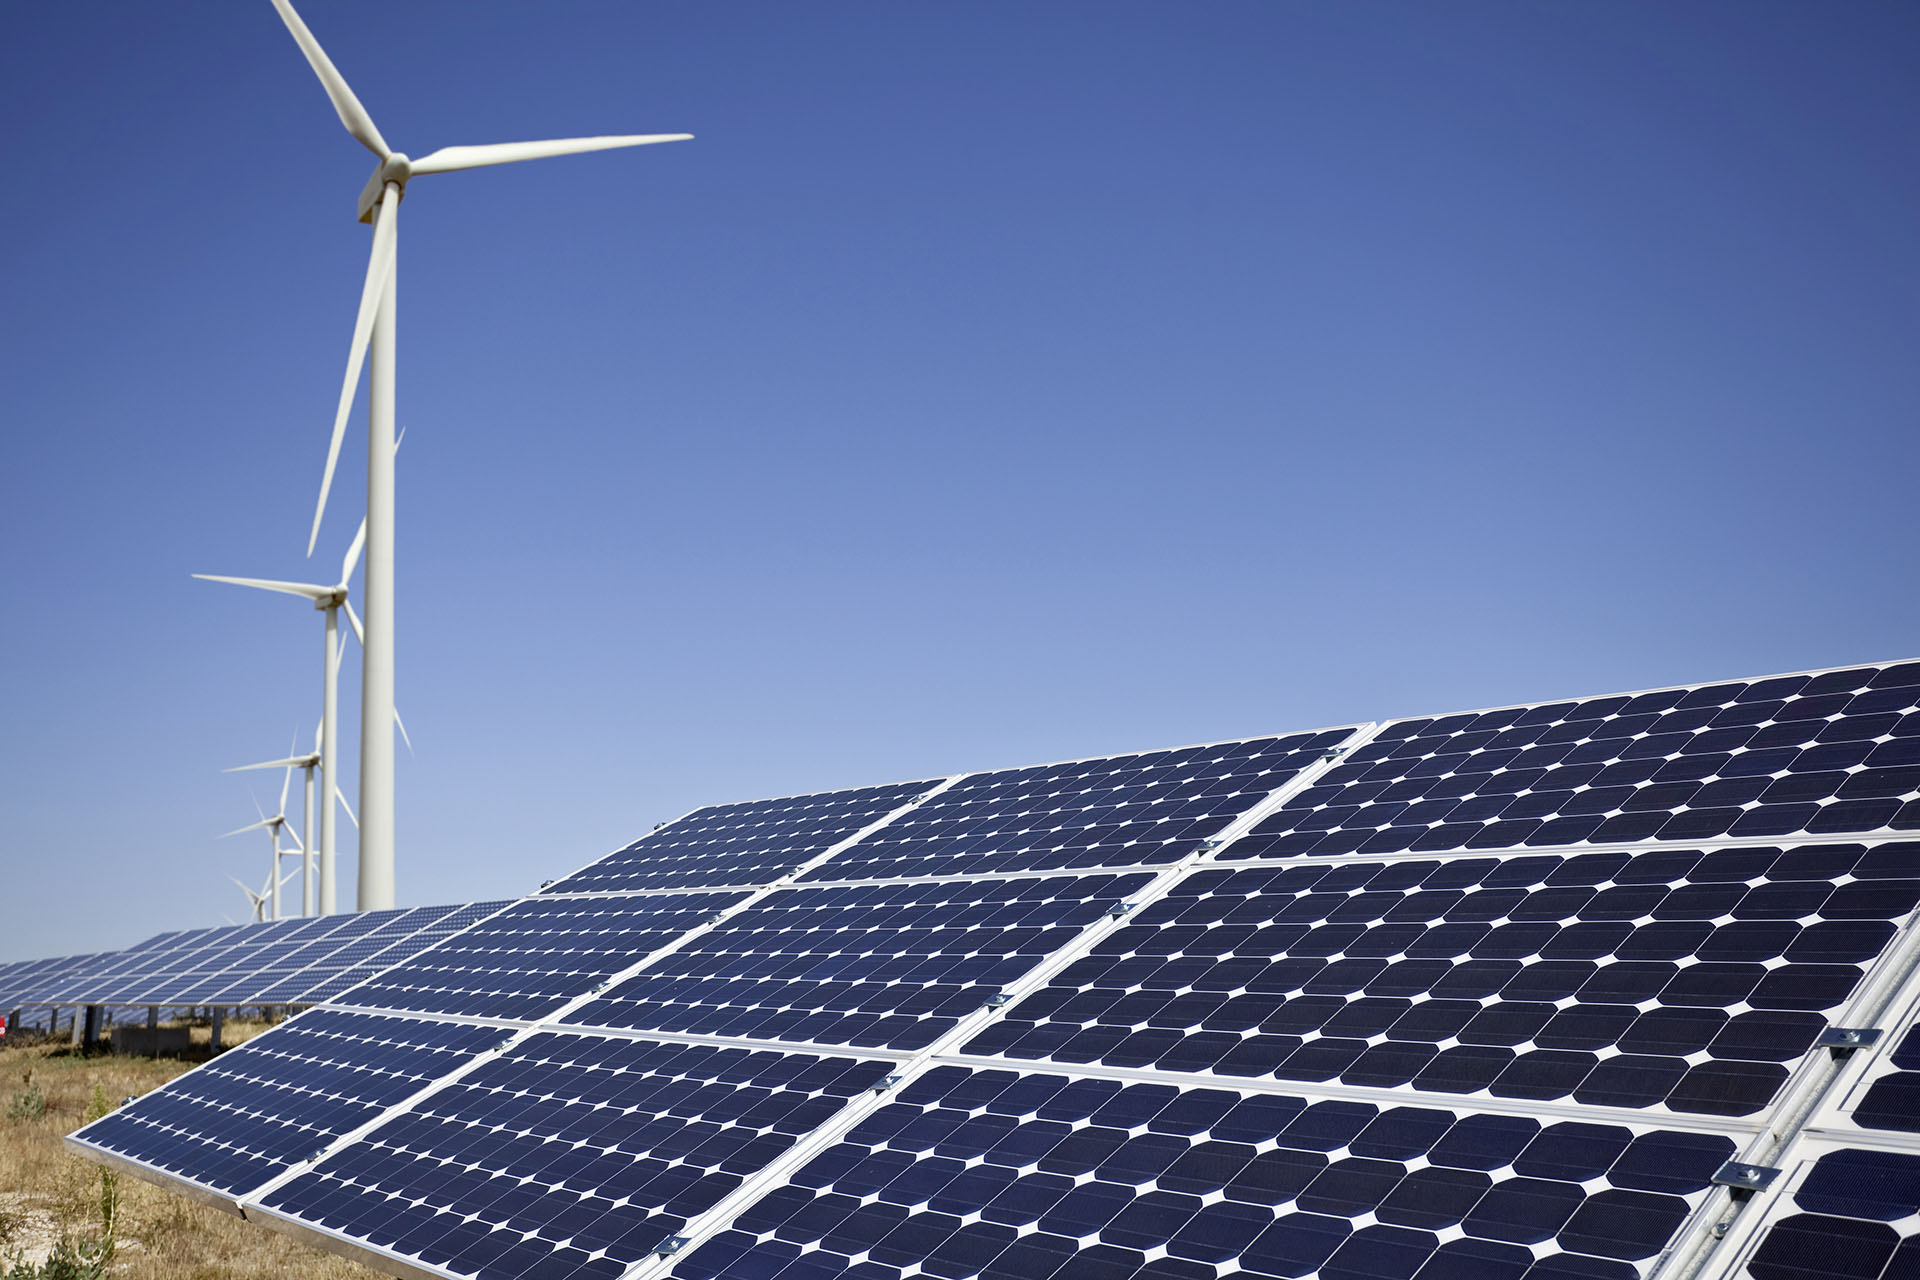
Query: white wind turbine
[
  {"x": 307, "y": 764},
  {"x": 275, "y": 827},
  {"x": 328, "y": 600},
  {"x": 257, "y": 902},
  {"x": 377, "y": 323}
]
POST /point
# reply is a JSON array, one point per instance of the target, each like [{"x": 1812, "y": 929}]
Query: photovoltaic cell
[
  {"x": 741, "y": 844},
  {"x": 1861, "y": 1221},
  {"x": 1020, "y": 1177},
  {"x": 530, "y": 959},
  {"x": 630, "y": 1139},
  {"x": 1119, "y": 811},
  {"x": 881, "y": 966},
  {"x": 254, "y": 1111},
  {"x": 1892, "y": 1101},
  {"x": 1684, "y": 978},
  {"x": 1837, "y": 752}
]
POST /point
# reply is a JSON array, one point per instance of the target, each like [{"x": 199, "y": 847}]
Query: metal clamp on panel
[
  {"x": 888, "y": 1084},
  {"x": 1119, "y": 909},
  {"x": 1844, "y": 1040},
  {"x": 672, "y": 1245},
  {"x": 1745, "y": 1177}
]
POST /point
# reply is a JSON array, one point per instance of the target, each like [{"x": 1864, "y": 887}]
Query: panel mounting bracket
[
  {"x": 1844, "y": 1040},
  {"x": 1746, "y": 1178}
]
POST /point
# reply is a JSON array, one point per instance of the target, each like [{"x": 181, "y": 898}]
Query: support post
[
  {"x": 329, "y": 760},
  {"x": 376, "y": 888},
  {"x": 91, "y": 1036},
  {"x": 153, "y": 1030},
  {"x": 219, "y": 1016},
  {"x": 306, "y": 848}
]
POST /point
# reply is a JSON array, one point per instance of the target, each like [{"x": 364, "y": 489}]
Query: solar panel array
[
  {"x": 298, "y": 961},
  {"x": 1509, "y": 995}
]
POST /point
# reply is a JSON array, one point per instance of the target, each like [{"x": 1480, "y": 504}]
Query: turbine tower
[{"x": 377, "y": 323}]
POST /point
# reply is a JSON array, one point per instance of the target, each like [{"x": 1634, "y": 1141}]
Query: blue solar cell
[
  {"x": 1217, "y": 1204},
  {"x": 1119, "y": 811},
  {"x": 283, "y": 1096},
  {"x": 630, "y": 1139},
  {"x": 741, "y": 844},
  {"x": 873, "y": 965},
  {"x": 1859, "y": 1216},
  {"x": 530, "y": 959}
]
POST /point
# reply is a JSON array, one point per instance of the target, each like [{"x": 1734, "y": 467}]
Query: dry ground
[{"x": 45, "y": 1190}]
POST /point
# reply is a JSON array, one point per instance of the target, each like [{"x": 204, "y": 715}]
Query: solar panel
[
  {"x": 741, "y": 844},
  {"x": 1836, "y": 751},
  {"x": 1122, "y": 811},
  {"x": 535, "y": 956},
  {"x": 880, "y": 966},
  {"x": 630, "y": 1138},
  {"x": 230, "y": 1125},
  {"x": 1499, "y": 996},
  {"x": 998, "y": 1174},
  {"x": 1679, "y": 978}
]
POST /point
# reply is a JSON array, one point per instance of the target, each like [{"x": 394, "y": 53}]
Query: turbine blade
[
  {"x": 307, "y": 589},
  {"x": 351, "y": 113},
  {"x": 403, "y": 730},
  {"x": 379, "y": 270},
  {"x": 252, "y": 826},
  {"x": 293, "y": 761},
  {"x": 398, "y": 441},
  {"x": 352, "y": 559},
  {"x": 359, "y": 633},
  {"x": 286, "y": 780},
  {"x": 341, "y": 796},
  {"x": 447, "y": 159}
]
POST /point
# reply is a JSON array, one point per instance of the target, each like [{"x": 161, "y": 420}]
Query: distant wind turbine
[
  {"x": 275, "y": 827},
  {"x": 377, "y": 323},
  {"x": 328, "y": 599},
  {"x": 257, "y": 902},
  {"x": 306, "y": 763}
]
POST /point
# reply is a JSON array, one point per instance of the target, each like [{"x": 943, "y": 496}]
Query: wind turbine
[
  {"x": 256, "y": 901},
  {"x": 308, "y": 763},
  {"x": 275, "y": 826},
  {"x": 377, "y": 323},
  {"x": 328, "y": 600}
]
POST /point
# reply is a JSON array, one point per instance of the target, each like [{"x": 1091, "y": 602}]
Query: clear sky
[{"x": 986, "y": 384}]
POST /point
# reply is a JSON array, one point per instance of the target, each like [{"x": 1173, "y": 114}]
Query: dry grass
[{"x": 45, "y": 1190}]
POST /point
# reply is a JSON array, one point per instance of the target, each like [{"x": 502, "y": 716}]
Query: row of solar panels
[
  {"x": 301, "y": 961},
  {"x": 1289, "y": 1007}
]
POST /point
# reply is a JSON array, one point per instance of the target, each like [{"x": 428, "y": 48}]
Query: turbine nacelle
[{"x": 396, "y": 168}]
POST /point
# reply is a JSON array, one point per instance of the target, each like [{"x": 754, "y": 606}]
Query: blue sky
[{"x": 985, "y": 384}]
